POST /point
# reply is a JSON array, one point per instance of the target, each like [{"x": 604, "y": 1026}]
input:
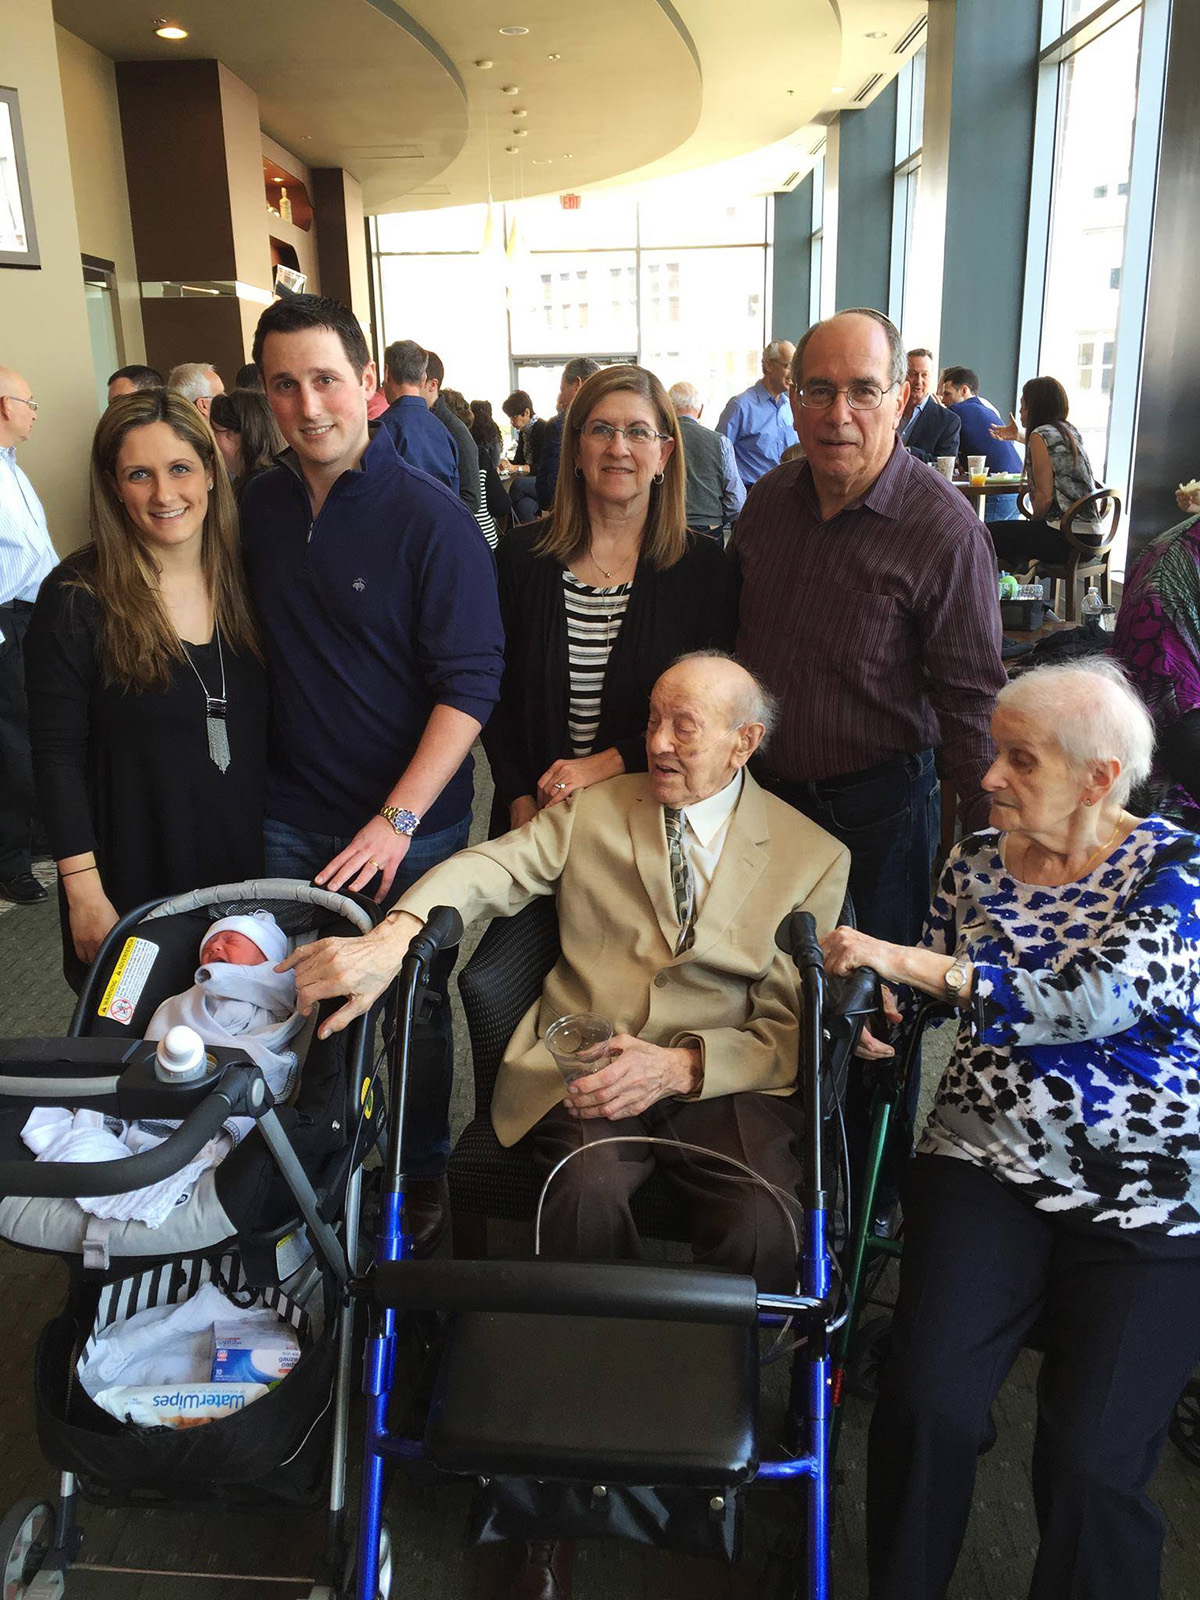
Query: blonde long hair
[
  {"x": 665, "y": 536},
  {"x": 138, "y": 642}
]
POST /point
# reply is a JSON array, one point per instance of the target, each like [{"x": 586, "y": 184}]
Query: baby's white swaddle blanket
[{"x": 250, "y": 1008}]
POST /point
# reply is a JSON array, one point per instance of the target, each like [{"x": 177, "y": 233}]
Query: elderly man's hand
[
  {"x": 360, "y": 969},
  {"x": 638, "y": 1075}
]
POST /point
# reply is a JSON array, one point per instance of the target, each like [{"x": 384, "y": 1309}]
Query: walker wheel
[
  {"x": 384, "y": 1587},
  {"x": 26, "y": 1538},
  {"x": 1185, "y": 1424},
  {"x": 868, "y": 1352}
]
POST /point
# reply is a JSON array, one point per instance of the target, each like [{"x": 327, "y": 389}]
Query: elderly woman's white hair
[{"x": 1093, "y": 712}]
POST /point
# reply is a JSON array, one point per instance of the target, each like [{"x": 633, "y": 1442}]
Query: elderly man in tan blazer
[{"x": 678, "y": 953}]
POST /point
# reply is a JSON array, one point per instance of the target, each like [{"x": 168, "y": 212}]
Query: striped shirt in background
[
  {"x": 879, "y": 629},
  {"x": 483, "y": 516},
  {"x": 26, "y": 553},
  {"x": 594, "y": 618}
]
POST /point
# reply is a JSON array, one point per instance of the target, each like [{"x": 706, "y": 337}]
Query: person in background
[
  {"x": 26, "y": 556},
  {"x": 758, "y": 422},
  {"x": 384, "y": 648},
  {"x": 927, "y": 430},
  {"x": 518, "y": 472},
  {"x": 419, "y": 437},
  {"x": 1058, "y": 471},
  {"x": 248, "y": 377},
  {"x": 246, "y": 435},
  {"x": 485, "y": 432},
  {"x": 1157, "y": 641},
  {"x": 147, "y": 695},
  {"x": 959, "y": 393},
  {"x": 466, "y": 454},
  {"x": 128, "y": 380},
  {"x": 495, "y": 508},
  {"x": 574, "y": 375},
  {"x": 1057, "y": 1183},
  {"x": 714, "y": 490},
  {"x": 196, "y": 381},
  {"x": 598, "y": 599}
]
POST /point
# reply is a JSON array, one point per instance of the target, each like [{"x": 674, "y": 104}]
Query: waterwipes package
[
  {"x": 183, "y": 1405},
  {"x": 245, "y": 1354}
]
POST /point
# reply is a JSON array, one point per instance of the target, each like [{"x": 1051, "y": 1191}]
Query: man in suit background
[
  {"x": 927, "y": 429},
  {"x": 670, "y": 885}
]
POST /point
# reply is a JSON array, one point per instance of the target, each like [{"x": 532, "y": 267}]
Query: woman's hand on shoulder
[{"x": 562, "y": 779}]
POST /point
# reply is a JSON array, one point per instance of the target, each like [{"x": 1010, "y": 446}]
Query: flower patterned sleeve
[{"x": 1098, "y": 983}]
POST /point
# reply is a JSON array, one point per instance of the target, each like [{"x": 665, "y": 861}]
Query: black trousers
[
  {"x": 736, "y": 1224},
  {"x": 1019, "y": 544},
  {"x": 1121, "y": 1323},
  {"x": 17, "y": 801}
]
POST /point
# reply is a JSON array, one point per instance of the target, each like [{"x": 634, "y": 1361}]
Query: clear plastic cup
[
  {"x": 580, "y": 1044},
  {"x": 977, "y": 467},
  {"x": 945, "y": 465}
]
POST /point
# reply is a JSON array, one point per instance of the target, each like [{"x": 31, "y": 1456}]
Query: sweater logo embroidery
[{"x": 359, "y": 584}]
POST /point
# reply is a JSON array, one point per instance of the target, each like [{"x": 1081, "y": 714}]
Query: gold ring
[{"x": 372, "y": 862}]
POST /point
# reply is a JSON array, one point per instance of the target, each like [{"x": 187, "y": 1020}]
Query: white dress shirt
[
  {"x": 26, "y": 553},
  {"x": 706, "y": 825}
]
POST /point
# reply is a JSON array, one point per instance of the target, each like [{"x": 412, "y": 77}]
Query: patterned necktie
[{"x": 683, "y": 885}]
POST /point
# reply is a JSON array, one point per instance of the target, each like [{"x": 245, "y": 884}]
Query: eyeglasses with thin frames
[
  {"x": 606, "y": 432},
  {"x": 859, "y": 396},
  {"x": 32, "y": 404}
]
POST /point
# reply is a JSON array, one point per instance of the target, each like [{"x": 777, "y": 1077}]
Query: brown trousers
[{"x": 736, "y": 1224}]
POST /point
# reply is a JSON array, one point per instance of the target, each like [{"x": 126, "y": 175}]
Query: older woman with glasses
[
  {"x": 1057, "y": 1183},
  {"x": 599, "y": 598}
]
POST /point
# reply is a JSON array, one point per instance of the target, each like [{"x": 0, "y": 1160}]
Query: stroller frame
[
  {"x": 36, "y": 1069},
  {"x": 400, "y": 1284}
]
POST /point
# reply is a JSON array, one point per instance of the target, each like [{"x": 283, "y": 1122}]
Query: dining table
[{"x": 977, "y": 493}]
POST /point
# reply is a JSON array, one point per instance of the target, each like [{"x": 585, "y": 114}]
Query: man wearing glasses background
[
  {"x": 26, "y": 556},
  {"x": 869, "y": 605}
]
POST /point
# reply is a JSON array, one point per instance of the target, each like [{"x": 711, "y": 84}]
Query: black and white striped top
[
  {"x": 594, "y": 619},
  {"x": 483, "y": 516}
]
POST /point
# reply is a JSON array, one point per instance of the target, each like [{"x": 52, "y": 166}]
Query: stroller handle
[{"x": 69, "y": 1180}]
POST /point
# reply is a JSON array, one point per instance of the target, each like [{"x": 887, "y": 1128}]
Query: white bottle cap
[{"x": 181, "y": 1054}]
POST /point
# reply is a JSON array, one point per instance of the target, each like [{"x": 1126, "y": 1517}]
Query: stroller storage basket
[{"x": 276, "y": 1447}]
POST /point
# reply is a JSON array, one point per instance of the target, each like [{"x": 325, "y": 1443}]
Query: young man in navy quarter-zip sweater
[{"x": 377, "y": 598}]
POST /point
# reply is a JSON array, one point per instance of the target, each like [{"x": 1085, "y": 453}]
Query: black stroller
[{"x": 273, "y": 1225}]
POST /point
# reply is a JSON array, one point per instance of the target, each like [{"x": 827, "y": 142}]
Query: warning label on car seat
[{"x": 128, "y": 980}]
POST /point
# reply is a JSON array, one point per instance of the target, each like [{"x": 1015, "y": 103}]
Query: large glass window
[
  {"x": 816, "y": 257},
  {"x": 910, "y": 123},
  {"x": 1097, "y": 103},
  {"x": 674, "y": 276}
]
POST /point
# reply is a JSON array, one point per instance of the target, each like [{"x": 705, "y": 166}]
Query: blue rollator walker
[{"x": 547, "y": 1390}]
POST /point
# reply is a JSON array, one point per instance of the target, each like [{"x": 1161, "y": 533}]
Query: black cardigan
[{"x": 690, "y": 606}]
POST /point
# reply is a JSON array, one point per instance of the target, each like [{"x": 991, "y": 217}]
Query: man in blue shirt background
[
  {"x": 960, "y": 394},
  {"x": 758, "y": 422},
  {"x": 417, "y": 434}
]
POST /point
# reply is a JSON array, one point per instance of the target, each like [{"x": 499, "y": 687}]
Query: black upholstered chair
[{"x": 498, "y": 985}]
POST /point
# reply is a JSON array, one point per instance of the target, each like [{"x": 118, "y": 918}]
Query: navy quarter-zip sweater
[{"x": 373, "y": 613}]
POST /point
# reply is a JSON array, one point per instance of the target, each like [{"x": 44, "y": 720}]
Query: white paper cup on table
[
  {"x": 945, "y": 465},
  {"x": 580, "y": 1044},
  {"x": 977, "y": 467}
]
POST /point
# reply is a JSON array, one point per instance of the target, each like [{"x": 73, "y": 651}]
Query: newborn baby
[{"x": 237, "y": 1001}]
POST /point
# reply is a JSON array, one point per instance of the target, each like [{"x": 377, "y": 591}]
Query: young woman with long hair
[
  {"x": 1058, "y": 473},
  {"x": 147, "y": 694},
  {"x": 599, "y": 598},
  {"x": 247, "y": 434}
]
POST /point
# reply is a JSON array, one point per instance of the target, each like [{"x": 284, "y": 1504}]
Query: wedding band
[
  {"x": 371, "y": 861},
  {"x": 560, "y": 786}
]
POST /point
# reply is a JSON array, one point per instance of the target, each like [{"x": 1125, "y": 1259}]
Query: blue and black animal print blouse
[{"x": 1076, "y": 1072}]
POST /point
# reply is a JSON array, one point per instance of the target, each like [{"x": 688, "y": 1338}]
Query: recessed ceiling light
[
  {"x": 838, "y": 89},
  {"x": 510, "y": 88},
  {"x": 513, "y": 30},
  {"x": 169, "y": 30},
  {"x": 877, "y": 33},
  {"x": 520, "y": 133},
  {"x": 511, "y": 149},
  {"x": 566, "y": 155},
  {"x": 519, "y": 111},
  {"x": 485, "y": 65},
  {"x": 554, "y": 56},
  {"x": 543, "y": 161}
]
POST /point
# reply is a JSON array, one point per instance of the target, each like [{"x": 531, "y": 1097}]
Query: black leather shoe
[
  {"x": 23, "y": 890},
  {"x": 426, "y": 1212},
  {"x": 542, "y": 1571}
]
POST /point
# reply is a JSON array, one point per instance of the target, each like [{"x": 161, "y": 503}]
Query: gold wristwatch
[{"x": 405, "y": 822}]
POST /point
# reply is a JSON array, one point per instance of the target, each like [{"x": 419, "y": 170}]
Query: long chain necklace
[
  {"x": 216, "y": 708},
  {"x": 1088, "y": 864}
]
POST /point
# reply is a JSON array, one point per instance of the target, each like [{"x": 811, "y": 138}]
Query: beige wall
[
  {"x": 89, "y": 88},
  {"x": 247, "y": 198},
  {"x": 43, "y": 318}
]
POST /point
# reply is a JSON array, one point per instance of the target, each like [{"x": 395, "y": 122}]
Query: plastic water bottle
[
  {"x": 1092, "y": 604},
  {"x": 180, "y": 1056}
]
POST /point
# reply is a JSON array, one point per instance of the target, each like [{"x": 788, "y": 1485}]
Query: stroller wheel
[
  {"x": 867, "y": 1355},
  {"x": 383, "y": 1588},
  {"x": 1185, "y": 1423},
  {"x": 26, "y": 1537}
]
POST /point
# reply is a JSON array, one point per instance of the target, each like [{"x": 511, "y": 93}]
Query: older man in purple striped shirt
[{"x": 869, "y": 605}]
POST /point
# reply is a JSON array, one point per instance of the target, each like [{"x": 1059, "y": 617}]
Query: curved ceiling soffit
[
  {"x": 425, "y": 39},
  {"x": 677, "y": 22}
]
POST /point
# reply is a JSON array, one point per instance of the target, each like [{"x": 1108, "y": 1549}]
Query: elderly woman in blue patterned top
[{"x": 1058, "y": 1179}]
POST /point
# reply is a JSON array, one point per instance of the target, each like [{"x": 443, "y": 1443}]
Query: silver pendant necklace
[{"x": 216, "y": 708}]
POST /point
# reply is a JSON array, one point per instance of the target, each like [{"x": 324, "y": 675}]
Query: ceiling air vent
[
  {"x": 790, "y": 181},
  {"x": 902, "y": 46},
  {"x": 868, "y": 88}
]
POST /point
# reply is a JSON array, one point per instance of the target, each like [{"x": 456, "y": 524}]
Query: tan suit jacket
[{"x": 603, "y": 855}]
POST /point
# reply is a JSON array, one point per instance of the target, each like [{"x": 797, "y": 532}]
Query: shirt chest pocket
[{"x": 860, "y": 628}]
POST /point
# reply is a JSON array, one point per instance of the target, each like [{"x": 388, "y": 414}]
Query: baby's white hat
[{"x": 259, "y": 927}]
